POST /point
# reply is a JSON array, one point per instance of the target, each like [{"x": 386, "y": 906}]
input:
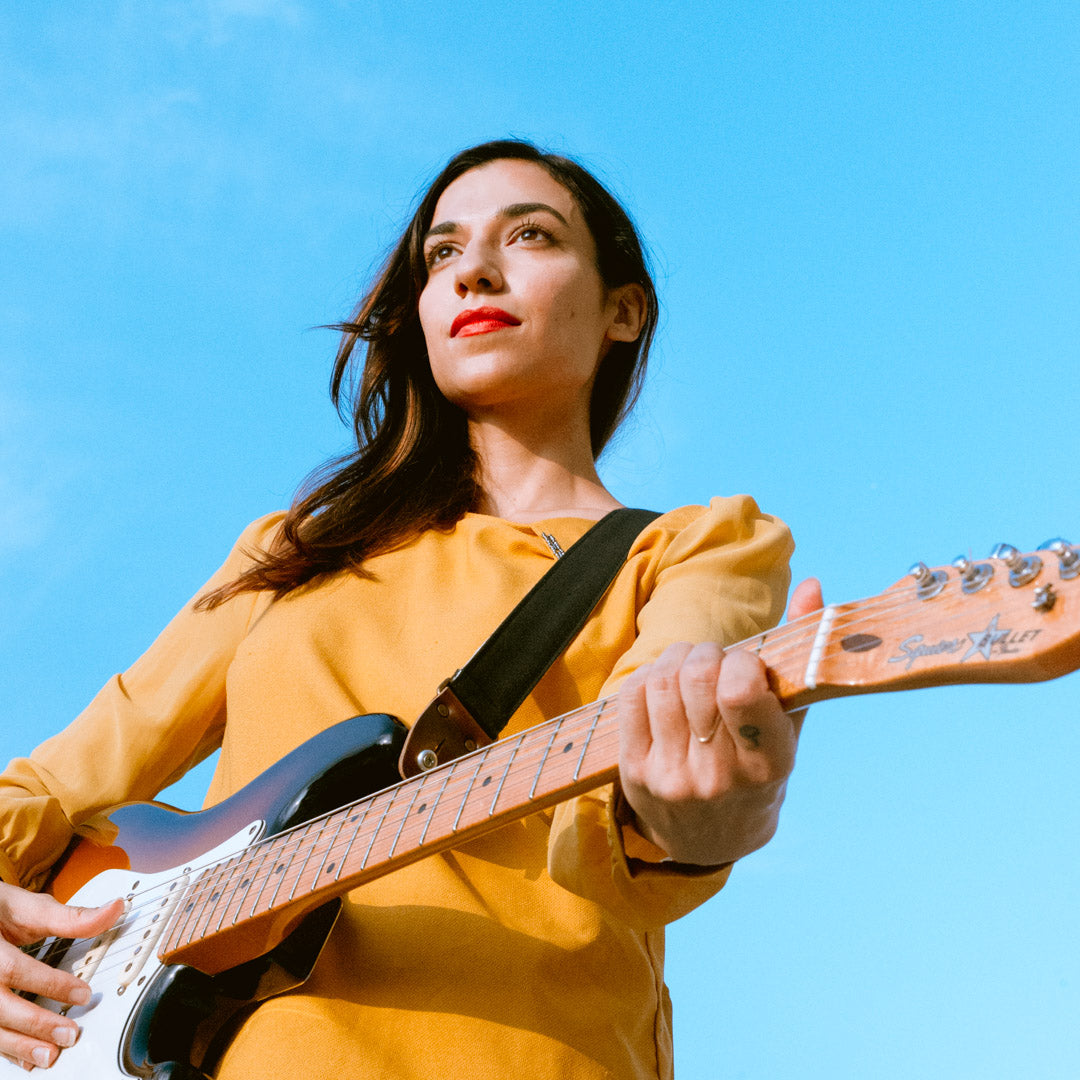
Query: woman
[{"x": 506, "y": 336}]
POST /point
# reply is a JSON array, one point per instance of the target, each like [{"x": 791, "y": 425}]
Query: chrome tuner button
[
  {"x": 973, "y": 576},
  {"x": 1068, "y": 557},
  {"x": 1022, "y": 569},
  {"x": 928, "y": 583}
]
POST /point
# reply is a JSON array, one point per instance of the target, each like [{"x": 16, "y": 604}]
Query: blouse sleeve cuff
[
  {"x": 601, "y": 858},
  {"x": 640, "y": 853}
]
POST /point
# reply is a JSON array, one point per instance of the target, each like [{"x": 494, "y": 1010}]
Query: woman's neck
[{"x": 539, "y": 476}]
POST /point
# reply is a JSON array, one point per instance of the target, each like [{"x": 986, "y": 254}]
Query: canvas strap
[{"x": 474, "y": 705}]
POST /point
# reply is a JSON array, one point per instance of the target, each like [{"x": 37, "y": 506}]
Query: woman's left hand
[{"x": 705, "y": 748}]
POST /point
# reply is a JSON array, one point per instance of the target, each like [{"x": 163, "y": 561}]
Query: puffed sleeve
[
  {"x": 701, "y": 574},
  {"x": 142, "y": 731}
]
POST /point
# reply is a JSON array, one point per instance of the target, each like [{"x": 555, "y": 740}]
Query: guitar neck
[
  {"x": 234, "y": 908},
  {"x": 900, "y": 639}
]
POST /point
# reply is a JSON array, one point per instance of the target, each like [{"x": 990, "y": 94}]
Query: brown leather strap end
[{"x": 444, "y": 731}]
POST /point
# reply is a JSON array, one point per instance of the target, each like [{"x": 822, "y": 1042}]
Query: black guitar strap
[{"x": 474, "y": 705}]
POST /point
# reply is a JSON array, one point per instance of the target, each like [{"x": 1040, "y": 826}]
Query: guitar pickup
[{"x": 146, "y": 932}]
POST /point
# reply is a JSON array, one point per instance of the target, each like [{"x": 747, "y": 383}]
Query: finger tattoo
[{"x": 751, "y": 734}]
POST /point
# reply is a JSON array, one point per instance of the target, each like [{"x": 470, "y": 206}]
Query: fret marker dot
[
  {"x": 245, "y": 883},
  {"x": 421, "y": 808},
  {"x": 568, "y": 747},
  {"x": 190, "y": 906},
  {"x": 487, "y": 780},
  {"x": 330, "y": 867},
  {"x": 279, "y": 868},
  {"x": 214, "y": 896}
]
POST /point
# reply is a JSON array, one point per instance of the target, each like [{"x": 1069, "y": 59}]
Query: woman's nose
[{"x": 478, "y": 271}]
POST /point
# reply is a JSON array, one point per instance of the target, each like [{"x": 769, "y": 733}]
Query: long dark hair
[{"x": 413, "y": 468}]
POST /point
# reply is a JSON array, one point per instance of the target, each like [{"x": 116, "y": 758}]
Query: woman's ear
[{"x": 628, "y": 312}]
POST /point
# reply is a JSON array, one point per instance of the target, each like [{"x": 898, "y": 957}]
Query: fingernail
[
  {"x": 42, "y": 1056},
  {"x": 80, "y": 995},
  {"x": 63, "y": 1036}
]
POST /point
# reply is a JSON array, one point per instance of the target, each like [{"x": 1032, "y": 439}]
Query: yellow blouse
[{"x": 535, "y": 950}]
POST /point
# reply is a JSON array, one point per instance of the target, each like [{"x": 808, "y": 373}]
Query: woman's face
[{"x": 514, "y": 312}]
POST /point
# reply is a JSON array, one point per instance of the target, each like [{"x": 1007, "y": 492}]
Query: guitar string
[
  {"x": 797, "y": 628},
  {"x": 199, "y": 889},
  {"x": 464, "y": 787},
  {"x": 771, "y": 641},
  {"x": 203, "y": 904},
  {"x": 775, "y": 642},
  {"x": 120, "y": 957}
]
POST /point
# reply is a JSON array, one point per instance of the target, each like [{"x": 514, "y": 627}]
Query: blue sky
[{"x": 865, "y": 222}]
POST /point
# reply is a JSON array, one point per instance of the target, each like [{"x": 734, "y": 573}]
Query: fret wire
[
  {"x": 344, "y": 814},
  {"x": 378, "y": 826},
  {"x": 311, "y": 851},
  {"x": 222, "y": 873},
  {"x": 484, "y": 757},
  {"x": 404, "y": 819},
  {"x": 470, "y": 783},
  {"x": 270, "y": 852},
  {"x": 296, "y": 840},
  {"x": 587, "y": 737},
  {"x": 543, "y": 760},
  {"x": 253, "y": 853},
  {"x": 286, "y": 863},
  {"x": 361, "y": 817},
  {"x": 205, "y": 887},
  {"x": 434, "y": 807},
  {"x": 506, "y": 772},
  {"x": 235, "y": 875},
  {"x": 189, "y": 907}
]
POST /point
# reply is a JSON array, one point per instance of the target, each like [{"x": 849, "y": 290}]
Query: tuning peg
[
  {"x": 1068, "y": 557},
  {"x": 1022, "y": 569},
  {"x": 973, "y": 576},
  {"x": 928, "y": 582}
]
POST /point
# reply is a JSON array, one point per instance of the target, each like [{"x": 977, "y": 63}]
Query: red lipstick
[{"x": 481, "y": 321}]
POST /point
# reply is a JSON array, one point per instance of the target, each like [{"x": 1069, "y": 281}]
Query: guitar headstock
[{"x": 1012, "y": 618}]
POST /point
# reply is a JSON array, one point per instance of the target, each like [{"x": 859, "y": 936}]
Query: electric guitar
[{"x": 232, "y": 905}]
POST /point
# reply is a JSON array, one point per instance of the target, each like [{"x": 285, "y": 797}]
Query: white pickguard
[{"x": 120, "y": 965}]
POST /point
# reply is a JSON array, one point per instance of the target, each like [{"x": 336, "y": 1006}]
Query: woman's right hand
[{"x": 31, "y": 1035}]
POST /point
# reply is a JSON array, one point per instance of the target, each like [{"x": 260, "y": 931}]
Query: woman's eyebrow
[
  {"x": 514, "y": 210},
  {"x": 521, "y": 208}
]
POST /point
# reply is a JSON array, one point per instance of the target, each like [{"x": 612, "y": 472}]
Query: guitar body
[{"x": 171, "y": 1022}]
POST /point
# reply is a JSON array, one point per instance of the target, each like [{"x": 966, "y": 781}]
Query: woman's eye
[
  {"x": 532, "y": 232},
  {"x": 438, "y": 253}
]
